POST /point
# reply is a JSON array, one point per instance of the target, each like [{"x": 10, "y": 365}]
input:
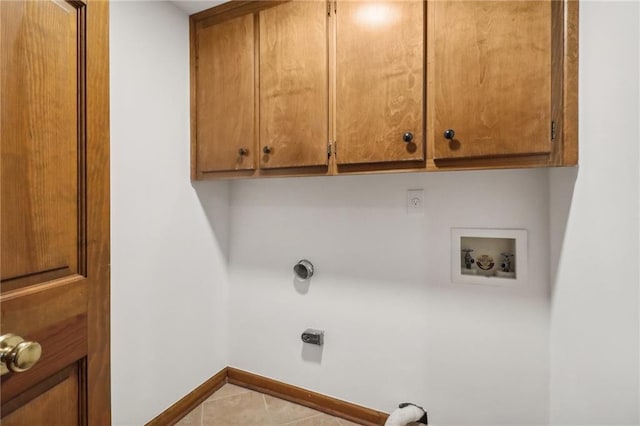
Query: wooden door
[
  {"x": 225, "y": 95},
  {"x": 294, "y": 104},
  {"x": 54, "y": 144},
  {"x": 380, "y": 81},
  {"x": 491, "y": 78}
]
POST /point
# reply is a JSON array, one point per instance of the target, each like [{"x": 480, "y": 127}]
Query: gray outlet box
[{"x": 314, "y": 337}]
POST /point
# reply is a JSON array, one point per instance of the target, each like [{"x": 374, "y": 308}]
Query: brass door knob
[{"x": 17, "y": 355}]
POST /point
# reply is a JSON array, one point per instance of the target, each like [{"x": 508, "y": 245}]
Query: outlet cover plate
[{"x": 415, "y": 201}]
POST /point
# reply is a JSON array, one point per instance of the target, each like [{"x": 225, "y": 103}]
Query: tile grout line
[
  {"x": 209, "y": 400},
  {"x": 271, "y": 420},
  {"x": 299, "y": 420},
  {"x": 266, "y": 408},
  {"x": 201, "y": 406}
]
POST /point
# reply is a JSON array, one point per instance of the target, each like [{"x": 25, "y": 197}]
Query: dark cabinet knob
[
  {"x": 266, "y": 149},
  {"x": 449, "y": 134},
  {"x": 242, "y": 152},
  {"x": 407, "y": 137}
]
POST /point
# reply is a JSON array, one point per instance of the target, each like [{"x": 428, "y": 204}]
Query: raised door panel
[
  {"x": 491, "y": 78},
  {"x": 380, "y": 81},
  {"x": 294, "y": 104},
  {"x": 56, "y": 403},
  {"x": 226, "y": 137},
  {"x": 41, "y": 142}
]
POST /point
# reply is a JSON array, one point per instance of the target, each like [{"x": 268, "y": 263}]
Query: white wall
[
  {"x": 169, "y": 284},
  {"x": 471, "y": 355},
  {"x": 396, "y": 329},
  {"x": 594, "y": 232}
]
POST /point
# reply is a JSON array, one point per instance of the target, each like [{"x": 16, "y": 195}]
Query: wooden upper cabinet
[
  {"x": 225, "y": 95},
  {"x": 330, "y": 87},
  {"x": 294, "y": 104},
  {"x": 491, "y": 78},
  {"x": 380, "y": 78}
]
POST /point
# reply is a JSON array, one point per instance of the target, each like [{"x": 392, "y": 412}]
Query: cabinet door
[
  {"x": 294, "y": 85},
  {"x": 225, "y": 103},
  {"x": 491, "y": 78},
  {"x": 380, "y": 81}
]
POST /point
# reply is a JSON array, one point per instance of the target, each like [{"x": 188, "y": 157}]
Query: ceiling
[{"x": 195, "y": 6}]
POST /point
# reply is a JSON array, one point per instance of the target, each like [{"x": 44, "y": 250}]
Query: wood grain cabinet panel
[
  {"x": 380, "y": 81},
  {"x": 491, "y": 78},
  {"x": 361, "y": 86},
  {"x": 225, "y": 94},
  {"x": 294, "y": 104}
]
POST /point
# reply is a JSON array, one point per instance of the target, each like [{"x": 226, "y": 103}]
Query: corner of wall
[
  {"x": 595, "y": 327},
  {"x": 170, "y": 239}
]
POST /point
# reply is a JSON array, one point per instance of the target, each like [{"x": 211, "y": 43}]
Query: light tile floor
[{"x": 235, "y": 405}]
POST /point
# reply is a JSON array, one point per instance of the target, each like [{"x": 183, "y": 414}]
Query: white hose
[{"x": 405, "y": 415}]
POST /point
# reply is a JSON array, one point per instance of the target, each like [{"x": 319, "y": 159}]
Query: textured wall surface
[
  {"x": 169, "y": 242},
  {"x": 396, "y": 328},
  {"x": 594, "y": 232}
]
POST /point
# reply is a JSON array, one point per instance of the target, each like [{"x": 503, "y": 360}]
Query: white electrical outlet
[{"x": 415, "y": 201}]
